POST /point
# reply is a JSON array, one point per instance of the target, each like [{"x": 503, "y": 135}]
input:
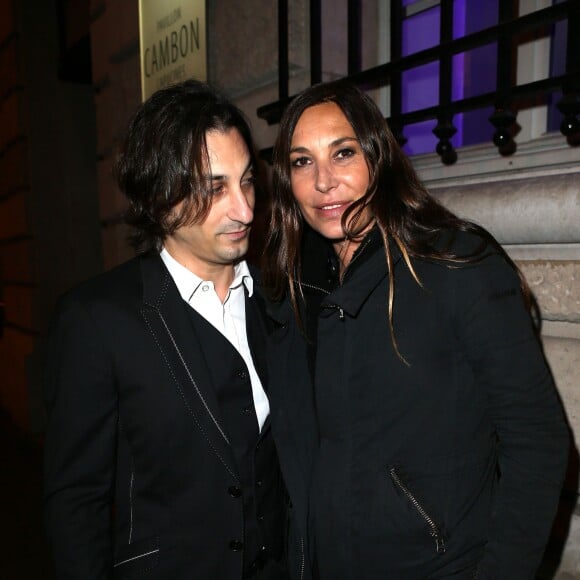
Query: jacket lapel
[{"x": 169, "y": 322}]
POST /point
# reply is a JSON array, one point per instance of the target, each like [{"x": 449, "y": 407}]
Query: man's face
[{"x": 208, "y": 247}]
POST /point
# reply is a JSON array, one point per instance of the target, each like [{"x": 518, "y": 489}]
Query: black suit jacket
[{"x": 139, "y": 469}]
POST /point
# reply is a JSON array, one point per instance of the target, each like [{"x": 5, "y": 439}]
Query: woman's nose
[{"x": 325, "y": 178}]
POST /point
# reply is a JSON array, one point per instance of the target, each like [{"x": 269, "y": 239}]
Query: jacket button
[
  {"x": 248, "y": 409},
  {"x": 234, "y": 491},
  {"x": 243, "y": 375},
  {"x": 236, "y": 545},
  {"x": 259, "y": 483}
]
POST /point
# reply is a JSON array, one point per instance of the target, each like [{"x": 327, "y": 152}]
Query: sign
[{"x": 173, "y": 43}]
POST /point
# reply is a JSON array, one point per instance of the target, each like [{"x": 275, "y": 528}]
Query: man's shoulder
[{"x": 120, "y": 283}]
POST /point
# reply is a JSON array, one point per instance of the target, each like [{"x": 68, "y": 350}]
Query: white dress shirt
[{"x": 228, "y": 317}]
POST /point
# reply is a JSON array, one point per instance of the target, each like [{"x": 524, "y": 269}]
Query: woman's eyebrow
[{"x": 335, "y": 143}]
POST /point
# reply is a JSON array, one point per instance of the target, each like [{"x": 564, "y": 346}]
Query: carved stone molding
[
  {"x": 563, "y": 355},
  {"x": 555, "y": 286},
  {"x": 538, "y": 210},
  {"x": 569, "y": 568}
]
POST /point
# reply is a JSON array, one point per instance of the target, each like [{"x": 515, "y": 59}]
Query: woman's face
[{"x": 328, "y": 169}]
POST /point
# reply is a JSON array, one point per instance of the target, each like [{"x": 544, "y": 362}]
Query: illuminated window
[{"x": 473, "y": 72}]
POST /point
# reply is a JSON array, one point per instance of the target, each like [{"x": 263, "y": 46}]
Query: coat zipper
[
  {"x": 301, "y": 558},
  {"x": 354, "y": 258},
  {"x": 327, "y": 293},
  {"x": 435, "y": 532},
  {"x": 315, "y": 288}
]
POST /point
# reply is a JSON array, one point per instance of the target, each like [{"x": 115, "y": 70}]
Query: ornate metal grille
[{"x": 506, "y": 99}]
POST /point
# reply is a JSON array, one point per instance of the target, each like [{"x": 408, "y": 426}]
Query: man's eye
[
  {"x": 299, "y": 161},
  {"x": 249, "y": 181}
]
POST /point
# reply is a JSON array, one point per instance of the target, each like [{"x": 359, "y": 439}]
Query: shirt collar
[{"x": 188, "y": 283}]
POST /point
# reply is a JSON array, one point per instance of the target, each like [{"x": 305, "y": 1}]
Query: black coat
[
  {"x": 140, "y": 476},
  {"x": 295, "y": 432},
  {"x": 405, "y": 481}
]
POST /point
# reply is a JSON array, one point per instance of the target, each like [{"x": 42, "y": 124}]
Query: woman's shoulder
[
  {"x": 471, "y": 258},
  {"x": 466, "y": 242}
]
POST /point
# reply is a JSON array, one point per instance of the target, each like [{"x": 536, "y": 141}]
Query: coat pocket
[
  {"x": 137, "y": 559},
  {"x": 434, "y": 529}
]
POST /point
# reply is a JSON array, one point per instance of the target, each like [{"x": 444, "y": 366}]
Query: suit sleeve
[
  {"x": 508, "y": 362},
  {"x": 80, "y": 445}
]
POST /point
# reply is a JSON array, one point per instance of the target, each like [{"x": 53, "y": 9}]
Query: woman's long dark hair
[{"x": 404, "y": 212}]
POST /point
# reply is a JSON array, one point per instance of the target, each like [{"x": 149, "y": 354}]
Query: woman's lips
[{"x": 332, "y": 210}]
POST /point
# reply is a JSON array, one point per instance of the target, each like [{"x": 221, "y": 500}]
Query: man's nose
[{"x": 242, "y": 206}]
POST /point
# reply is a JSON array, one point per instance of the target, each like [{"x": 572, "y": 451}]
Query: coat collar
[
  {"x": 366, "y": 271},
  {"x": 360, "y": 282}
]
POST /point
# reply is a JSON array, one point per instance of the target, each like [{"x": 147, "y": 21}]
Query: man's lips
[{"x": 237, "y": 234}]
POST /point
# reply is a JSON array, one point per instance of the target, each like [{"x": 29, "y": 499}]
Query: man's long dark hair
[
  {"x": 163, "y": 158},
  {"x": 404, "y": 212}
]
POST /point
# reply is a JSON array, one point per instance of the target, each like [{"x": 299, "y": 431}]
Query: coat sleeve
[
  {"x": 80, "y": 445},
  {"x": 507, "y": 360}
]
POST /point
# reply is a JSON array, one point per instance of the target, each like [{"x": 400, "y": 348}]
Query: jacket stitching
[
  {"x": 122, "y": 429},
  {"x": 136, "y": 557},
  {"x": 131, "y": 505},
  {"x": 163, "y": 290},
  {"x": 182, "y": 393},
  {"x": 161, "y": 299},
  {"x": 192, "y": 379}
]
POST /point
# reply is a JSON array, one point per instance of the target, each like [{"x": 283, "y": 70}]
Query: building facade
[{"x": 60, "y": 210}]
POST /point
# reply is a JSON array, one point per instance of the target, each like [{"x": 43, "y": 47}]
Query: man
[{"x": 159, "y": 453}]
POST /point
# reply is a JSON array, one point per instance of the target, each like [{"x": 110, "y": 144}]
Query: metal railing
[{"x": 506, "y": 100}]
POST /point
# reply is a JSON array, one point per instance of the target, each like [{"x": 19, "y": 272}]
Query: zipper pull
[
  {"x": 336, "y": 307},
  {"x": 440, "y": 543}
]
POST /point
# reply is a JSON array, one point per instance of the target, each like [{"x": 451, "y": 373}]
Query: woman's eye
[
  {"x": 344, "y": 153},
  {"x": 299, "y": 161},
  {"x": 218, "y": 189}
]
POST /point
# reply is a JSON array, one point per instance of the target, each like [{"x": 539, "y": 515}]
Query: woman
[{"x": 442, "y": 442}]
